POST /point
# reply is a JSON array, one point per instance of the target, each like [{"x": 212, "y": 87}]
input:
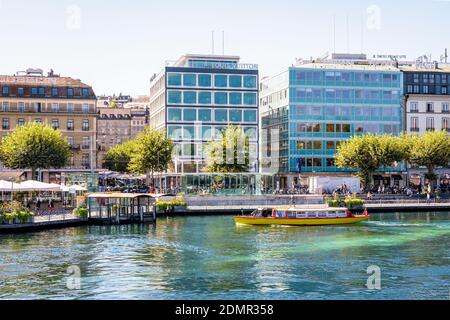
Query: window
[
  {"x": 5, "y": 124},
  {"x": 250, "y": 116},
  {"x": 190, "y": 97},
  {"x": 55, "y": 107},
  {"x": 54, "y": 92},
  {"x": 221, "y": 115},
  {"x": 250, "y": 99},
  {"x": 189, "y": 132},
  {"x": 235, "y": 116},
  {"x": 189, "y": 80},
  {"x": 34, "y": 91},
  {"x": 85, "y": 126},
  {"x": 235, "y": 81},
  {"x": 70, "y": 108},
  {"x": 330, "y": 145},
  {"x": 70, "y": 140},
  {"x": 55, "y": 124},
  {"x": 5, "y": 106},
  {"x": 204, "y": 115},
  {"x": 416, "y": 78},
  {"x": 86, "y": 142},
  {"x": 445, "y": 124},
  {"x": 444, "y": 90},
  {"x": 174, "y": 79},
  {"x": 445, "y": 108},
  {"x": 430, "y": 124},
  {"x": 430, "y": 107},
  {"x": 220, "y": 98},
  {"x": 236, "y": 98},
  {"x": 70, "y": 125},
  {"x": 250, "y": 82},
  {"x": 85, "y": 92},
  {"x": 220, "y": 81},
  {"x": 204, "y": 98},
  {"x": 41, "y": 91},
  {"x": 21, "y": 107},
  {"x": 174, "y": 114},
  {"x": 414, "y": 107},
  {"x": 85, "y": 108},
  {"x": 37, "y": 120},
  {"x": 425, "y": 90},
  {"x": 20, "y": 92},
  {"x": 70, "y": 92},
  {"x": 204, "y": 80},
  {"x": 5, "y": 90},
  {"x": 189, "y": 115},
  {"x": 20, "y": 122},
  {"x": 331, "y": 162},
  {"x": 414, "y": 124},
  {"x": 175, "y": 132},
  {"x": 174, "y": 97}
]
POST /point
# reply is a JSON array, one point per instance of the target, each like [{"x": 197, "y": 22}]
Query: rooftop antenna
[
  {"x": 334, "y": 33},
  {"x": 362, "y": 33},
  {"x": 348, "y": 36},
  {"x": 223, "y": 43}
]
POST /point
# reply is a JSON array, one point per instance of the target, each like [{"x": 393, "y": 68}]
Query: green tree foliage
[
  {"x": 230, "y": 153},
  {"x": 430, "y": 150},
  {"x": 35, "y": 146},
  {"x": 368, "y": 153},
  {"x": 150, "y": 152},
  {"x": 118, "y": 158}
]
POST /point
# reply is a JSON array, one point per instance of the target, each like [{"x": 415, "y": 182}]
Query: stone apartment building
[{"x": 64, "y": 103}]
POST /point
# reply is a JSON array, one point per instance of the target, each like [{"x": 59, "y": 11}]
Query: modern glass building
[
  {"x": 316, "y": 106},
  {"x": 196, "y": 97}
]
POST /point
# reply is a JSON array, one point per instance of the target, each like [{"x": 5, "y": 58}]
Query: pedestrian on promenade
[{"x": 429, "y": 193}]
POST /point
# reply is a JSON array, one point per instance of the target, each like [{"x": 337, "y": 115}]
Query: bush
[
  {"x": 10, "y": 217},
  {"x": 354, "y": 203},
  {"x": 166, "y": 205},
  {"x": 24, "y": 216},
  {"x": 80, "y": 212}
]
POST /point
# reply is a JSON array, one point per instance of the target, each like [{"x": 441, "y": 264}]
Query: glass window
[
  {"x": 220, "y": 81},
  {"x": 235, "y": 81},
  {"x": 204, "y": 98},
  {"x": 20, "y": 91},
  {"x": 189, "y": 80},
  {"x": 175, "y": 132},
  {"x": 250, "y": 99},
  {"x": 174, "y": 114},
  {"x": 6, "y": 106},
  {"x": 174, "y": 79},
  {"x": 250, "y": 116},
  {"x": 189, "y": 149},
  {"x": 204, "y": 115},
  {"x": 85, "y": 125},
  {"x": 189, "y": 115},
  {"x": 55, "y": 124},
  {"x": 85, "y": 92},
  {"x": 70, "y": 92},
  {"x": 190, "y": 97},
  {"x": 204, "y": 80},
  {"x": 221, "y": 98},
  {"x": 235, "y": 115},
  {"x": 206, "y": 133},
  {"x": 70, "y": 125},
  {"x": 34, "y": 91},
  {"x": 174, "y": 97},
  {"x": 189, "y": 132},
  {"x": 55, "y": 107},
  {"x": 20, "y": 122},
  {"x": 221, "y": 115},
  {"x": 236, "y": 98},
  {"x": 54, "y": 92},
  {"x": 250, "y": 82},
  {"x": 41, "y": 91},
  {"x": 5, "y": 124},
  {"x": 5, "y": 90},
  {"x": 85, "y": 108},
  {"x": 21, "y": 107},
  {"x": 70, "y": 108}
]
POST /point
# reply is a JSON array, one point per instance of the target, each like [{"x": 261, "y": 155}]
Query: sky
[{"x": 117, "y": 45}]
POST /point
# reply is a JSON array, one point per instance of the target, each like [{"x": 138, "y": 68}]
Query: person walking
[{"x": 429, "y": 193}]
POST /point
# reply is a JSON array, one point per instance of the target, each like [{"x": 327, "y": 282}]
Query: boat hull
[{"x": 299, "y": 222}]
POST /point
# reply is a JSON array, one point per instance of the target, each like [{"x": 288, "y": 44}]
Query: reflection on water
[{"x": 211, "y": 258}]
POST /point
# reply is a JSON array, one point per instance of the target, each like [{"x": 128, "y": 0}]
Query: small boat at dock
[{"x": 302, "y": 217}]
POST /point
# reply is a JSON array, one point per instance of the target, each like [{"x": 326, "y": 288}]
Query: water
[{"x": 211, "y": 258}]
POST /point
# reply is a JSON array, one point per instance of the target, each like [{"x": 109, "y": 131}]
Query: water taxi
[{"x": 302, "y": 217}]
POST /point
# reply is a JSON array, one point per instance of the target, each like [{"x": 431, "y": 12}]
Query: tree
[
  {"x": 430, "y": 150},
  {"x": 152, "y": 152},
  {"x": 118, "y": 158},
  {"x": 230, "y": 153},
  {"x": 35, "y": 146},
  {"x": 368, "y": 153}
]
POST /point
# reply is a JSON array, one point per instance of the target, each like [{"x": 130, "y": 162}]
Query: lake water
[{"x": 212, "y": 258}]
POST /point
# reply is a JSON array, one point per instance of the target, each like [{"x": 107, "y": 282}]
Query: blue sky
[{"x": 117, "y": 45}]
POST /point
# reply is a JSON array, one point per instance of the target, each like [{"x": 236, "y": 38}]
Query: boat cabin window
[
  {"x": 292, "y": 215},
  {"x": 280, "y": 214}
]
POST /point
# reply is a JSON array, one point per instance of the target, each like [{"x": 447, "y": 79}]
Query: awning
[
  {"x": 32, "y": 185},
  {"x": 7, "y": 186}
]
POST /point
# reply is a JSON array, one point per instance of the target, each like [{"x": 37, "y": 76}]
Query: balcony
[
  {"x": 86, "y": 147},
  {"x": 75, "y": 147}
]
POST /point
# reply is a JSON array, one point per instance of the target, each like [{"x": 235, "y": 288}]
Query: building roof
[
  {"x": 42, "y": 81},
  {"x": 440, "y": 69},
  {"x": 342, "y": 66}
]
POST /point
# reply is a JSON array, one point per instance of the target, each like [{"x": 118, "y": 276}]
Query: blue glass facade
[
  {"x": 328, "y": 106},
  {"x": 201, "y": 100}
]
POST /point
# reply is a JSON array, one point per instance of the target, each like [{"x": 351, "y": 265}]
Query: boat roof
[{"x": 306, "y": 209}]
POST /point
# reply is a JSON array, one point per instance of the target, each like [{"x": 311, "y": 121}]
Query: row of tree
[{"x": 368, "y": 153}]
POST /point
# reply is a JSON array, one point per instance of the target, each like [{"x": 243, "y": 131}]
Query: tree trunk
[
  {"x": 432, "y": 178},
  {"x": 33, "y": 173}
]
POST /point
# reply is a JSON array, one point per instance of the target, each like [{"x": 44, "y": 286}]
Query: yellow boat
[{"x": 302, "y": 217}]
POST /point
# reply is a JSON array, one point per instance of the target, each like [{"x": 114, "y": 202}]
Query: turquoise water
[{"x": 211, "y": 258}]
